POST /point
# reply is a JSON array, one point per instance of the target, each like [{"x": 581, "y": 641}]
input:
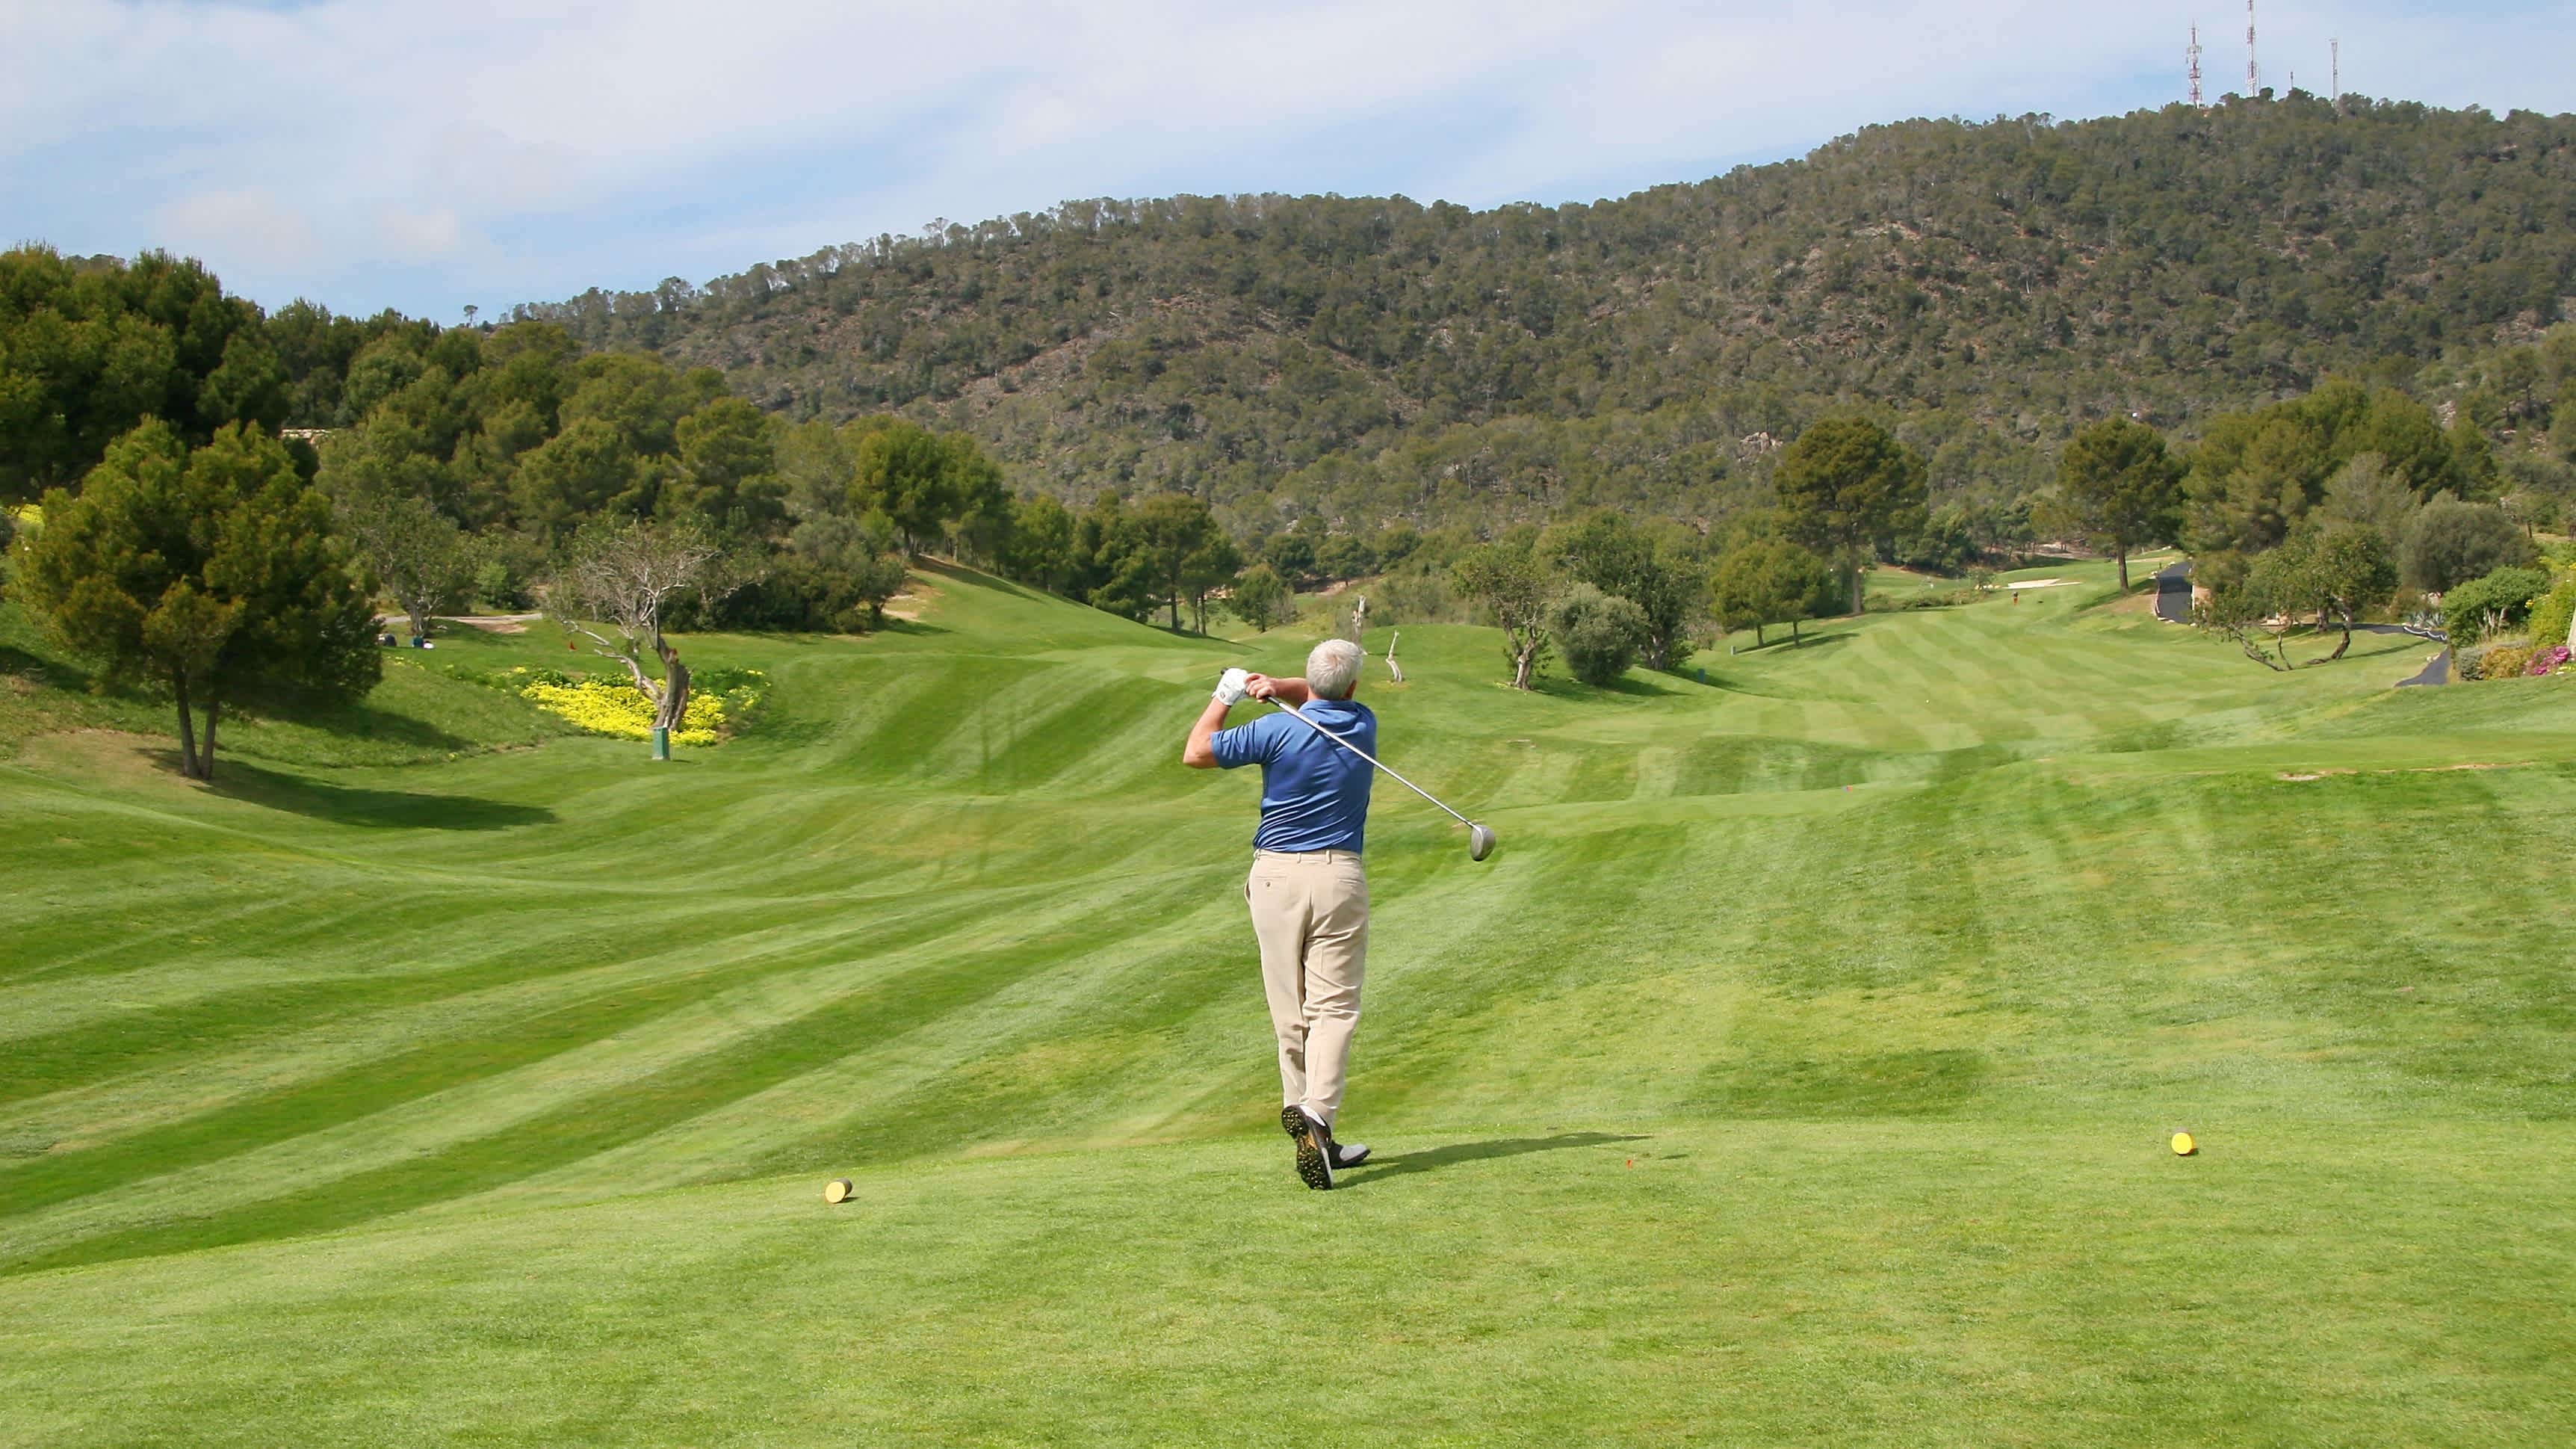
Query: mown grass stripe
[
  {"x": 869, "y": 1014},
  {"x": 354, "y": 1092}
]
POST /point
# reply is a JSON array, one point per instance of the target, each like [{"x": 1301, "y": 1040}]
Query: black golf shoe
[
  {"x": 1318, "y": 1155},
  {"x": 1345, "y": 1154}
]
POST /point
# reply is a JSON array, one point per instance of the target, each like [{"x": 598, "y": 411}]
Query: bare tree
[{"x": 627, "y": 576}]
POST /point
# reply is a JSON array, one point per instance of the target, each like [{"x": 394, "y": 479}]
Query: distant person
[{"x": 1307, "y": 891}]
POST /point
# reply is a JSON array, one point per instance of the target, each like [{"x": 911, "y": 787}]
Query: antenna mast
[
  {"x": 2192, "y": 55},
  {"x": 2335, "y": 49},
  {"x": 2253, "y": 72}
]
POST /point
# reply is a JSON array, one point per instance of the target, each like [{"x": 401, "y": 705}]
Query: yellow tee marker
[
  {"x": 2183, "y": 1146},
  {"x": 840, "y": 1188}
]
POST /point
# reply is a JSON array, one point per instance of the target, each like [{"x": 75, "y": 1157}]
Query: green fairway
[{"x": 1799, "y": 1070}]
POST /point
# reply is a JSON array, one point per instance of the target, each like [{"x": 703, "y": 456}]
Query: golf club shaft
[{"x": 1372, "y": 759}]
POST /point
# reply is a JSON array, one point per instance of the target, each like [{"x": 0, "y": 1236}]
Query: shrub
[
  {"x": 2491, "y": 604},
  {"x": 2554, "y": 612},
  {"x": 616, "y": 707},
  {"x": 2450, "y": 543},
  {"x": 2504, "y": 661},
  {"x": 1598, "y": 633},
  {"x": 720, "y": 700},
  {"x": 1415, "y": 597},
  {"x": 796, "y": 591},
  {"x": 1261, "y": 598},
  {"x": 790, "y": 593},
  {"x": 505, "y": 565},
  {"x": 2549, "y": 660}
]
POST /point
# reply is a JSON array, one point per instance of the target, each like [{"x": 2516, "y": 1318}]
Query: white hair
[{"x": 1334, "y": 668}]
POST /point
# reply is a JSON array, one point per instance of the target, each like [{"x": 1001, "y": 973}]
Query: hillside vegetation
[
  {"x": 1798, "y": 1071},
  {"x": 1989, "y": 284}
]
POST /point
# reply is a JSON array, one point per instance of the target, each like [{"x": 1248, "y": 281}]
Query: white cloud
[
  {"x": 254, "y": 223},
  {"x": 482, "y": 165},
  {"x": 496, "y": 150},
  {"x": 434, "y": 235}
]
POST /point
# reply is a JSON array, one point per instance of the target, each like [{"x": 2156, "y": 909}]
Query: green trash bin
[{"x": 661, "y": 743}]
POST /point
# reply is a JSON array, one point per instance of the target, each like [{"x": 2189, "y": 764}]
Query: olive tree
[
  {"x": 619, "y": 583},
  {"x": 1515, "y": 584},
  {"x": 2333, "y": 575},
  {"x": 1770, "y": 581}
]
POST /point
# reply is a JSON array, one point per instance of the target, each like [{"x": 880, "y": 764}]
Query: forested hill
[{"x": 1984, "y": 286}]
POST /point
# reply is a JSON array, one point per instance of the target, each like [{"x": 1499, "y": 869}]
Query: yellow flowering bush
[
  {"x": 2504, "y": 661},
  {"x": 616, "y": 707}
]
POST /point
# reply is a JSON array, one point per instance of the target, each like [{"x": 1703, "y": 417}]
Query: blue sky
[{"x": 428, "y": 156}]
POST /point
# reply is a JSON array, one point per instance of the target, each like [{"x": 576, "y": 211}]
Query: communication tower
[
  {"x": 2191, "y": 54},
  {"x": 2253, "y": 72},
  {"x": 2335, "y": 49}
]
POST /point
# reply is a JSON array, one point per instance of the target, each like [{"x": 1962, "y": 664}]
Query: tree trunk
[
  {"x": 1523, "y": 661},
  {"x": 2124, "y": 569},
  {"x": 2347, "y": 638},
  {"x": 675, "y": 688},
  {"x": 187, "y": 732},
  {"x": 419, "y": 617},
  {"x": 1859, "y": 605},
  {"x": 206, "y": 756},
  {"x": 1757, "y": 636},
  {"x": 1794, "y": 639}
]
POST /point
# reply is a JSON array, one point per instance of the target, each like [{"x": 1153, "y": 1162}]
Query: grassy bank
[{"x": 1797, "y": 1072}]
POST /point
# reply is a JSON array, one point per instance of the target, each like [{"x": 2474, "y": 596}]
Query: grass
[
  {"x": 1797, "y": 1072},
  {"x": 420, "y": 713}
]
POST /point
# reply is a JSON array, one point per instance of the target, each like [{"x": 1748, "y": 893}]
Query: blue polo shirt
[{"x": 1314, "y": 793}]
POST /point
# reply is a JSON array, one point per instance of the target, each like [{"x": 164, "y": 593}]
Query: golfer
[{"x": 1308, "y": 894}]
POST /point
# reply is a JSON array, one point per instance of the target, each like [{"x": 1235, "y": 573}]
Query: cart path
[
  {"x": 2173, "y": 592},
  {"x": 2436, "y": 670}
]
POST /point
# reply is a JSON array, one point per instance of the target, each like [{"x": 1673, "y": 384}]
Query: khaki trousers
[{"x": 1310, "y": 913}]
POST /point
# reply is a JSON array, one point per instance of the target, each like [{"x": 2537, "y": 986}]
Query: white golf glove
[{"x": 1229, "y": 687}]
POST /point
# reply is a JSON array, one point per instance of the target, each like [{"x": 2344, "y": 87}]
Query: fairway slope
[{"x": 1798, "y": 1070}]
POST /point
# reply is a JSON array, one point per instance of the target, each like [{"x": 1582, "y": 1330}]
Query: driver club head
[{"x": 1480, "y": 842}]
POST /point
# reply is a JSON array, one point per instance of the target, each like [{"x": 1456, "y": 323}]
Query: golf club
[{"x": 1480, "y": 841}]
